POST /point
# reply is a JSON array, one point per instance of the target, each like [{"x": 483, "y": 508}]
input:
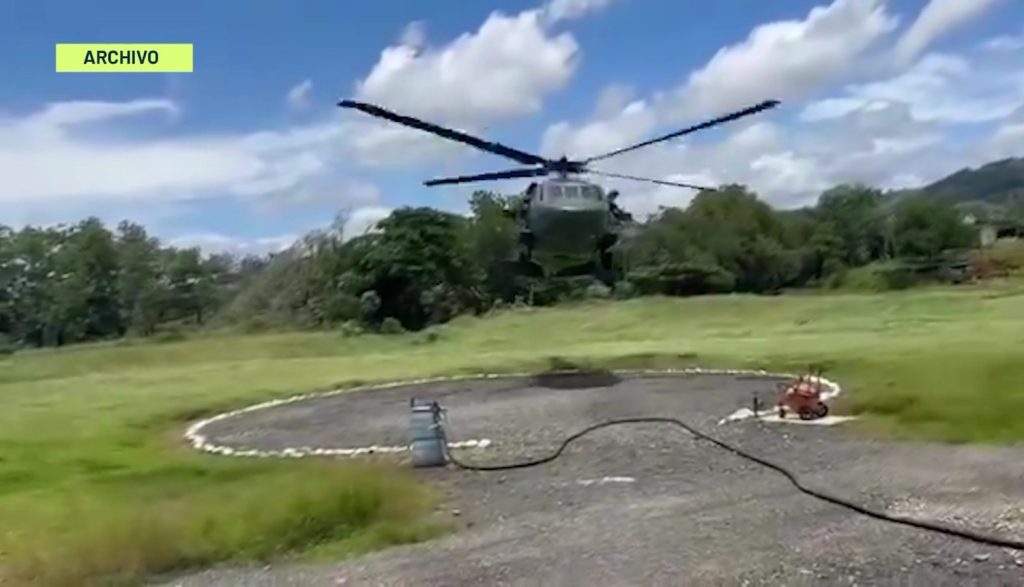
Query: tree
[
  {"x": 925, "y": 228},
  {"x": 417, "y": 250},
  {"x": 851, "y": 217},
  {"x": 138, "y": 278},
  {"x": 190, "y": 287},
  {"x": 493, "y": 238}
]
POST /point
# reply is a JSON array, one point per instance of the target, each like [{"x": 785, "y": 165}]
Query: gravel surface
[{"x": 692, "y": 514}]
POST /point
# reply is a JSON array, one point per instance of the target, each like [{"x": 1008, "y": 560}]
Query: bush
[
  {"x": 999, "y": 260},
  {"x": 624, "y": 290},
  {"x": 597, "y": 291},
  {"x": 7, "y": 346},
  {"x": 391, "y": 325},
  {"x": 875, "y": 277},
  {"x": 351, "y": 328}
]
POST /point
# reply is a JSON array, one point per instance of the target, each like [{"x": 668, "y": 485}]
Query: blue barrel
[{"x": 426, "y": 435}]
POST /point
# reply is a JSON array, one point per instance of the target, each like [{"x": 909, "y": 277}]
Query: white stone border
[{"x": 200, "y": 442}]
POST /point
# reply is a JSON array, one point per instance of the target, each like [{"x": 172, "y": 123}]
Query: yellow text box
[{"x": 124, "y": 57}]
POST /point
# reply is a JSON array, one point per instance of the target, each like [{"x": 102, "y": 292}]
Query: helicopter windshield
[{"x": 575, "y": 191}]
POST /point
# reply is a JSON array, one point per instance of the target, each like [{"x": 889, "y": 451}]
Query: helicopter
[{"x": 567, "y": 226}]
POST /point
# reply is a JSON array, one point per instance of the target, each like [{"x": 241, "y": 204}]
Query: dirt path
[{"x": 651, "y": 505}]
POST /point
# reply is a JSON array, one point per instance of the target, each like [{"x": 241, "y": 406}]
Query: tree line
[{"x": 422, "y": 266}]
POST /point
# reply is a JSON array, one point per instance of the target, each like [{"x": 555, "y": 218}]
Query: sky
[{"x": 249, "y": 151}]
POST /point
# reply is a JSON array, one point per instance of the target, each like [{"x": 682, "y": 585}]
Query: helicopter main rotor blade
[
  {"x": 651, "y": 180},
  {"x": 510, "y": 174},
  {"x": 713, "y": 122},
  {"x": 447, "y": 133}
]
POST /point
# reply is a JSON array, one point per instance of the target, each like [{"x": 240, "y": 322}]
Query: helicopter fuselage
[{"x": 566, "y": 222}]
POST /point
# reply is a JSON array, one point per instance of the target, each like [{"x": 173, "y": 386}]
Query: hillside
[
  {"x": 993, "y": 191},
  {"x": 996, "y": 182}
]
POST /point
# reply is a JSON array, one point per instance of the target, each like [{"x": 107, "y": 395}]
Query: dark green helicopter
[{"x": 566, "y": 224}]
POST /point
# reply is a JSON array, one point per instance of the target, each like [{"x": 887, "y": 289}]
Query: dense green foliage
[{"x": 423, "y": 266}]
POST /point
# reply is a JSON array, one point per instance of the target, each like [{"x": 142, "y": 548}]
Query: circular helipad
[
  {"x": 645, "y": 504},
  {"x": 510, "y": 416}
]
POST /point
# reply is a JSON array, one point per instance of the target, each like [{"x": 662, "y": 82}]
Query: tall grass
[{"x": 110, "y": 542}]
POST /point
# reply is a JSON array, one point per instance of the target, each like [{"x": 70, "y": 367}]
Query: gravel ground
[{"x": 693, "y": 514}]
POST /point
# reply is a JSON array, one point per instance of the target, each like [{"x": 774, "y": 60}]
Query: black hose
[{"x": 921, "y": 524}]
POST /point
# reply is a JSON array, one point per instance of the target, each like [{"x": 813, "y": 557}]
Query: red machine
[{"x": 803, "y": 396}]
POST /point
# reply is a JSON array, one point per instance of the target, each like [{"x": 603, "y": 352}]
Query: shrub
[
  {"x": 391, "y": 325},
  {"x": 624, "y": 290},
  {"x": 597, "y": 291},
  {"x": 7, "y": 346}
]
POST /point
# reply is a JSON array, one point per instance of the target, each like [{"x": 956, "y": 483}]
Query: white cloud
[
  {"x": 61, "y": 114},
  {"x": 503, "y": 70},
  {"x": 631, "y": 124},
  {"x": 212, "y": 243},
  {"x": 948, "y": 88},
  {"x": 363, "y": 220},
  {"x": 1005, "y": 43},
  {"x": 936, "y": 19},
  {"x": 784, "y": 60},
  {"x": 558, "y": 10},
  {"x": 298, "y": 96},
  {"x": 44, "y": 159},
  {"x": 414, "y": 35}
]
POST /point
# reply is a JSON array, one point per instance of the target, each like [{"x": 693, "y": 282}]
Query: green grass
[{"x": 95, "y": 482}]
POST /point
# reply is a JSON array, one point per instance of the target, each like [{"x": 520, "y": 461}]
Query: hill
[
  {"x": 996, "y": 182},
  {"x": 993, "y": 191}
]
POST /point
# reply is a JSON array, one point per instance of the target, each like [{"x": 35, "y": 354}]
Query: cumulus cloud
[
  {"x": 790, "y": 166},
  {"x": 298, "y": 96},
  {"x": 948, "y": 88},
  {"x": 936, "y": 19},
  {"x": 891, "y": 132},
  {"x": 44, "y": 158},
  {"x": 632, "y": 123},
  {"x": 784, "y": 60},
  {"x": 503, "y": 70}
]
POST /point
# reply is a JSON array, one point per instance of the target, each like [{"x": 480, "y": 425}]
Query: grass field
[{"x": 95, "y": 482}]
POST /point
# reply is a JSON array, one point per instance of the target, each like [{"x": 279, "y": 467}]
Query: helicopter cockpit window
[
  {"x": 571, "y": 191},
  {"x": 591, "y": 192}
]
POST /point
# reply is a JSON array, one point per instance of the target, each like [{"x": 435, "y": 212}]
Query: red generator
[{"x": 803, "y": 396}]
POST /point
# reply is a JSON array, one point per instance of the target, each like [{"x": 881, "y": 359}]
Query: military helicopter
[{"x": 567, "y": 225}]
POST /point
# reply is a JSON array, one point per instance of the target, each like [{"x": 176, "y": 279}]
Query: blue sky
[{"x": 249, "y": 151}]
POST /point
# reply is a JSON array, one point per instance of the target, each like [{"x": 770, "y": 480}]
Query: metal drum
[{"x": 426, "y": 435}]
